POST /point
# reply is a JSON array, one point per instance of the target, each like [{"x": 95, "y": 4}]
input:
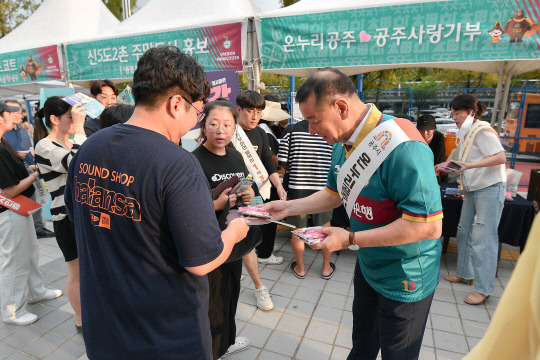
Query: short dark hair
[
  {"x": 115, "y": 114},
  {"x": 95, "y": 88},
  {"x": 326, "y": 82},
  {"x": 219, "y": 103},
  {"x": 165, "y": 71},
  {"x": 468, "y": 102},
  {"x": 249, "y": 99}
]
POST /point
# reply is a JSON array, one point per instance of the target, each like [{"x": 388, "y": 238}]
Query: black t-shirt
[
  {"x": 12, "y": 171},
  {"x": 438, "y": 147},
  {"x": 259, "y": 140},
  {"x": 91, "y": 126},
  {"x": 219, "y": 168},
  {"x": 143, "y": 213}
]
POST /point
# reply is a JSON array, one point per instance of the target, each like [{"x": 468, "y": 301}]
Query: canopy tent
[
  {"x": 54, "y": 22},
  {"x": 215, "y": 32},
  {"x": 356, "y": 36}
]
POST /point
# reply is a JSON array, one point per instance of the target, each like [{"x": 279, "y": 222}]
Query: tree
[
  {"x": 463, "y": 79},
  {"x": 115, "y": 7},
  {"x": 14, "y": 12},
  {"x": 289, "y": 2}
]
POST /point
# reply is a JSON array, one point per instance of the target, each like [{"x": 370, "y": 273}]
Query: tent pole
[
  {"x": 250, "y": 55},
  {"x": 497, "y": 94},
  {"x": 64, "y": 65},
  {"x": 504, "y": 99},
  {"x": 360, "y": 85}
]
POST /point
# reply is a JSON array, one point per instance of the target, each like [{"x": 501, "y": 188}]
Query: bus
[{"x": 530, "y": 122}]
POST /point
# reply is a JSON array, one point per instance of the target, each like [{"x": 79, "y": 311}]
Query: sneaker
[
  {"x": 272, "y": 260},
  {"x": 240, "y": 344},
  {"x": 44, "y": 233},
  {"x": 264, "y": 302},
  {"x": 49, "y": 294},
  {"x": 26, "y": 319}
]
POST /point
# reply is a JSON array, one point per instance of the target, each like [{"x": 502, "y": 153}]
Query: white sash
[
  {"x": 355, "y": 173},
  {"x": 469, "y": 139},
  {"x": 252, "y": 161}
]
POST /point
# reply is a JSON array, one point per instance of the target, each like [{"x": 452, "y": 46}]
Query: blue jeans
[{"x": 477, "y": 236}]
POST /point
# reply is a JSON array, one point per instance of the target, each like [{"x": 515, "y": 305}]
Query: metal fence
[{"x": 520, "y": 129}]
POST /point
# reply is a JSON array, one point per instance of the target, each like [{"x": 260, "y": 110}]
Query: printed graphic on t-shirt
[
  {"x": 374, "y": 212},
  {"x": 106, "y": 202},
  {"x": 226, "y": 176}
]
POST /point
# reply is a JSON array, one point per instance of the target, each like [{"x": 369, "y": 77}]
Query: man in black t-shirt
[
  {"x": 427, "y": 126},
  {"x": 145, "y": 225}
]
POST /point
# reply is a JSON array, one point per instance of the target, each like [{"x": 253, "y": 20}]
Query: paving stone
[
  {"x": 337, "y": 287},
  {"x": 427, "y": 353},
  {"x": 344, "y": 337},
  {"x": 444, "y": 308},
  {"x": 40, "y": 309},
  {"x": 67, "y": 308},
  {"x": 492, "y": 302},
  {"x": 292, "y": 324},
  {"x": 270, "y": 274},
  {"x": 21, "y": 356},
  {"x": 339, "y": 353},
  {"x": 313, "y": 350},
  {"x": 307, "y": 294},
  {"x": 73, "y": 348},
  {"x": 247, "y": 297},
  {"x": 267, "y": 355},
  {"x": 289, "y": 278},
  {"x": 66, "y": 329},
  {"x": 427, "y": 340},
  {"x": 52, "y": 319},
  {"x": 476, "y": 313},
  {"x": 327, "y": 314},
  {"x": 446, "y": 323},
  {"x": 6, "y": 350},
  {"x": 347, "y": 319},
  {"x": 257, "y": 335},
  {"x": 314, "y": 282},
  {"x": 349, "y": 303},
  {"x": 280, "y": 302},
  {"x": 504, "y": 281},
  {"x": 282, "y": 343},
  {"x": 284, "y": 290},
  {"x": 444, "y": 295},
  {"x": 44, "y": 345},
  {"x": 473, "y": 341},
  {"x": 450, "y": 342},
  {"x": 8, "y": 329},
  {"x": 299, "y": 307},
  {"x": 333, "y": 300},
  {"x": 23, "y": 337},
  {"x": 321, "y": 331},
  {"x": 268, "y": 319},
  {"x": 244, "y": 312},
  {"x": 248, "y": 354},
  {"x": 342, "y": 276},
  {"x": 448, "y": 355}
]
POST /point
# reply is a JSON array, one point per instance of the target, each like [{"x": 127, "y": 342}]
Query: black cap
[
  {"x": 426, "y": 122},
  {"x": 5, "y": 107}
]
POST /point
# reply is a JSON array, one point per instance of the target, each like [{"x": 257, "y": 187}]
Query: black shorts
[{"x": 65, "y": 237}]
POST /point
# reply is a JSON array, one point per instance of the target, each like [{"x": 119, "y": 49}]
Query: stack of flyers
[
  {"x": 254, "y": 211},
  {"x": 93, "y": 107},
  {"x": 310, "y": 235}
]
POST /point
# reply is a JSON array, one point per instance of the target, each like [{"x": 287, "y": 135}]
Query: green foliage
[
  {"x": 14, "y": 12},
  {"x": 115, "y": 7},
  {"x": 463, "y": 79},
  {"x": 289, "y": 2}
]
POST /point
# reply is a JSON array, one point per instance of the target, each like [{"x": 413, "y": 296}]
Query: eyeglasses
[
  {"x": 225, "y": 129},
  {"x": 200, "y": 114}
]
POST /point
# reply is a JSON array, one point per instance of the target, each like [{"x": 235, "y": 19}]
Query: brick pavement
[{"x": 311, "y": 318}]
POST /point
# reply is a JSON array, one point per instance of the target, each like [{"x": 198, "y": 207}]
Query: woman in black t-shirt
[
  {"x": 21, "y": 280},
  {"x": 221, "y": 162}
]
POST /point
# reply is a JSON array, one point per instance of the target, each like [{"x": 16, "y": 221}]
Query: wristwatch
[{"x": 352, "y": 246}]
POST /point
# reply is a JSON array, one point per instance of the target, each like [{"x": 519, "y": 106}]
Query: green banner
[
  {"x": 432, "y": 32},
  {"x": 31, "y": 65},
  {"x": 216, "y": 48}
]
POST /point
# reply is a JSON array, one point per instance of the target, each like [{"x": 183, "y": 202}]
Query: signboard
[
  {"x": 431, "y": 32},
  {"x": 224, "y": 84},
  {"x": 26, "y": 66},
  {"x": 215, "y": 47}
]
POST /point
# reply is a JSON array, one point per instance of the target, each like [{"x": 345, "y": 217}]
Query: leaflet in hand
[
  {"x": 450, "y": 166},
  {"x": 253, "y": 211},
  {"x": 93, "y": 107},
  {"x": 242, "y": 186},
  {"x": 310, "y": 235}
]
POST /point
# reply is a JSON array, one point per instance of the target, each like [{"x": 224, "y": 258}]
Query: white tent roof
[
  {"x": 317, "y": 6},
  {"x": 59, "y": 21},
  {"x": 164, "y": 15}
]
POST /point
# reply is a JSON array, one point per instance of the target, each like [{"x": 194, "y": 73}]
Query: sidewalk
[{"x": 311, "y": 318}]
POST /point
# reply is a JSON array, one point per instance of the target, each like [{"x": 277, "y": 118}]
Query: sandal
[
  {"x": 295, "y": 273},
  {"x": 329, "y": 276},
  {"x": 475, "y": 299},
  {"x": 457, "y": 279}
]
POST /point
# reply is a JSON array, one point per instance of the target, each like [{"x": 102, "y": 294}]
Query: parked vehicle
[
  {"x": 446, "y": 126},
  {"x": 530, "y": 122}
]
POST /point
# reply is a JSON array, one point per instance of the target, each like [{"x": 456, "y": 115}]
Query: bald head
[{"x": 326, "y": 83}]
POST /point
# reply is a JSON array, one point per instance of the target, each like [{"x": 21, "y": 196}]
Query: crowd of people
[{"x": 154, "y": 258}]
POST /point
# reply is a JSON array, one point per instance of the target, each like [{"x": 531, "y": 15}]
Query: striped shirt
[
  {"x": 53, "y": 161},
  {"x": 308, "y": 158}
]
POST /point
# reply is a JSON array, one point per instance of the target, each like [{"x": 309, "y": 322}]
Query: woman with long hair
[
  {"x": 219, "y": 162},
  {"x": 21, "y": 279},
  {"x": 59, "y": 120},
  {"x": 483, "y": 179}
]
